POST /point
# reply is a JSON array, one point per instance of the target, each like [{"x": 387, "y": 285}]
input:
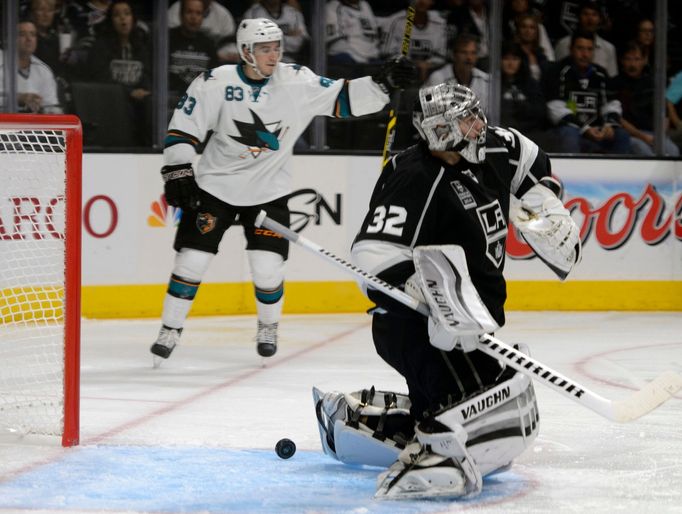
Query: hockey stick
[
  {"x": 393, "y": 114},
  {"x": 636, "y": 405}
]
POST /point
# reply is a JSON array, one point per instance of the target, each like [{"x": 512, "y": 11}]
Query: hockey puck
[{"x": 285, "y": 448}]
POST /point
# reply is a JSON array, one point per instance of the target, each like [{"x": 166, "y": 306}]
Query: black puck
[{"x": 285, "y": 448}]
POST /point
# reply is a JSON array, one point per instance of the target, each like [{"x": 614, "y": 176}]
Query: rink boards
[{"x": 630, "y": 213}]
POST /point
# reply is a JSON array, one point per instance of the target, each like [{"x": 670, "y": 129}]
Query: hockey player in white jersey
[
  {"x": 289, "y": 19},
  {"x": 437, "y": 226},
  {"x": 257, "y": 110}
]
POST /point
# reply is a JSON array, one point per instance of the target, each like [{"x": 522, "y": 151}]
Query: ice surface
[{"x": 198, "y": 434}]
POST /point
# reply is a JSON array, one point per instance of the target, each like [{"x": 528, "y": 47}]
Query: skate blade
[
  {"x": 433, "y": 494},
  {"x": 156, "y": 361}
]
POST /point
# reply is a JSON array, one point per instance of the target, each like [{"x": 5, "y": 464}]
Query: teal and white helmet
[
  {"x": 257, "y": 30},
  {"x": 437, "y": 115}
]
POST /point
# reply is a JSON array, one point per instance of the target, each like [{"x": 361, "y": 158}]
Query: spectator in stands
[
  {"x": 428, "y": 42},
  {"x": 518, "y": 15},
  {"x": 85, "y": 17},
  {"x": 352, "y": 32},
  {"x": 673, "y": 96},
  {"x": 646, "y": 39},
  {"x": 290, "y": 20},
  {"x": 42, "y": 14},
  {"x": 36, "y": 84},
  {"x": 463, "y": 68},
  {"x": 121, "y": 55},
  {"x": 218, "y": 24},
  {"x": 635, "y": 90},
  {"x": 522, "y": 101},
  {"x": 191, "y": 51},
  {"x": 472, "y": 18},
  {"x": 590, "y": 20},
  {"x": 534, "y": 55},
  {"x": 584, "y": 111},
  {"x": 560, "y": 18}
]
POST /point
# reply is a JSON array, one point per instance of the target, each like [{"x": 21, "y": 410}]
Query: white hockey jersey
[
  {"x": 352, "y": 30},
  {"x": 255, "y": 125},
  {"x": 427, "y": 43},
  {"x": 288, "y": 19}
]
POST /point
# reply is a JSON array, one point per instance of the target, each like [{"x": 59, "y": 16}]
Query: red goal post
[{"x": 40, "y": 274}]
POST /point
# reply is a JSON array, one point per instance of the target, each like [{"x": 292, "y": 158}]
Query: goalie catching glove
[
  {"x": 547, "y": 226},
  {"x": 398, "y": 73},
  {"x": 179, "y": 186},
  {"x": 457, "y": 316}
]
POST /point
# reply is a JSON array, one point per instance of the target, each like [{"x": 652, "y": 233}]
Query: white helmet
[
  {"x": 257, "y": 30},
  {"x": 437, "y": 114}
]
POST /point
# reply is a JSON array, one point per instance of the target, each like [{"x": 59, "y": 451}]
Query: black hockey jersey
[
  {"x": 580, "y": 99},
  {"x": 420, "y": 200}
]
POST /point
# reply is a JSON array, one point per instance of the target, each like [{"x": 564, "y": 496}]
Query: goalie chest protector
[{"x": 421, "y": 200}]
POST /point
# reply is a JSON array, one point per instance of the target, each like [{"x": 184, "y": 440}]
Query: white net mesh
[{"x": 32, "y": 220}]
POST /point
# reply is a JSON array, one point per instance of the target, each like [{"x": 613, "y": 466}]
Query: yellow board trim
[{"x": 136, "y": 301}]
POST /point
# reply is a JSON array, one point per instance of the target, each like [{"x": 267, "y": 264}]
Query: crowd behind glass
[{"x": 575, "y": 76}]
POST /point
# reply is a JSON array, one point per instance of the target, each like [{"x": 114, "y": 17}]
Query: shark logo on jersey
[
  {"x": 495, "y": 229},
  {"x": 257, "y": 136}
]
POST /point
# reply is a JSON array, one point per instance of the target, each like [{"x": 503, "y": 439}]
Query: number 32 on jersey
[{"x": 389, "y": 220}]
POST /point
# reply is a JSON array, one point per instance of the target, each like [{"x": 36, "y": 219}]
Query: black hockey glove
[
  {"x": 398, "y": 73},
  {"x": 179, "y": 186}
]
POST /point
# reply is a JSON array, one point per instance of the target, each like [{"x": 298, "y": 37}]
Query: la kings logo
[{"x": 495, "y": 229}]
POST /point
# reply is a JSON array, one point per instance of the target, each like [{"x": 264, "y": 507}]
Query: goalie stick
[
  {"x": 638, "y": 404},
  {"x": 393, "y": 114}
]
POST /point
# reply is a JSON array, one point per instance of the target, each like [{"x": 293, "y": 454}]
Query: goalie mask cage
[{"x": 40, "y": 241}]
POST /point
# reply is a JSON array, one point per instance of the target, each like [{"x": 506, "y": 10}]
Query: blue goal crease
[{"x": 136, "y": 478}]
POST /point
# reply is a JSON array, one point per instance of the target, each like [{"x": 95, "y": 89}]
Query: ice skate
[
  {"x": 266, "y": 339},
  {"x": 419, "y": 473},
  {"x": 164, "y": 344}
]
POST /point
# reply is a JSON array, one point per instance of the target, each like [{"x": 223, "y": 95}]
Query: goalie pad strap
[{"x": 363, "y": 427}]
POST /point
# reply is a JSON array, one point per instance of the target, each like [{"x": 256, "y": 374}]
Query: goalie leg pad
[
  {"x": 457, "y": 313},
  {"x": 464, "y": 442},
  {"x": 365, "y": 427},
  {"x": 501, "y": 422},
  {"x": 438, "y": 464}
]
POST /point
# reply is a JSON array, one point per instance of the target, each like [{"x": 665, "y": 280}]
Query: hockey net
[{"x": 40, "y": 205}]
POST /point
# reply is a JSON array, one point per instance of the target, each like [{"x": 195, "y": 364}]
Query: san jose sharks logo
[{"x": 258, "y": 136}]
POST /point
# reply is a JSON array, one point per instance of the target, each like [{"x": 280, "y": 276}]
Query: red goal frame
[{"x": 73, "y": 131}]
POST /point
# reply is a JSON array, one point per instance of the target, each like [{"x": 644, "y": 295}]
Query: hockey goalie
[{"x": 436, "y": 227}]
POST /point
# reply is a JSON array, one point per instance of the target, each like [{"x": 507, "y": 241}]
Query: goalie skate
[
  {"x": 436, "y": 465},
  {"x": 165, "y": 344},
  {"x": 266, "y": 339},
  {"x": 427, "y": 475}
]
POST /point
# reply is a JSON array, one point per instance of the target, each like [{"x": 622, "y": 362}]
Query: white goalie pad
[
  {"x": 548, "y": 228},
  {"x": 344, "y": 421},
  {"x": 500, "y": 422},
  {"x": 457, "y": 313}
]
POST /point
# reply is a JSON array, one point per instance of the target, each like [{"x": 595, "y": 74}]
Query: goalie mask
[
  {"x": 449, "y": 117},
  {"x": 257, "y": 30}
]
